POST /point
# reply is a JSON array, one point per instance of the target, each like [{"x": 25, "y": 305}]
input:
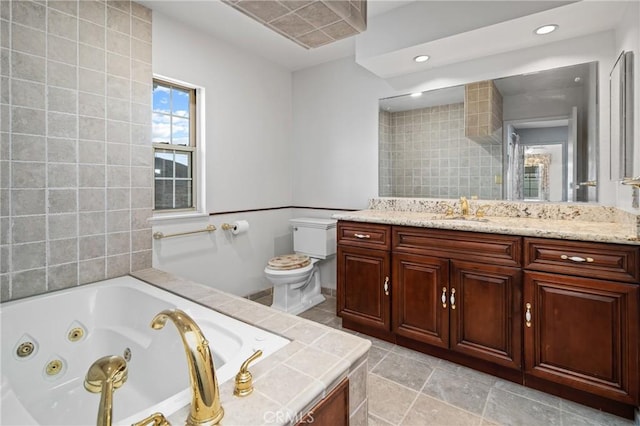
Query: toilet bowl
[{"x": 296, "y": 277}]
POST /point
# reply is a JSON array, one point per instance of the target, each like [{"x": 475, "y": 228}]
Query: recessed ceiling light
[
  {"x": 416, "y": 94},
  {"x": 546, "y": 29},
  {"x": 421, "y": 58}
]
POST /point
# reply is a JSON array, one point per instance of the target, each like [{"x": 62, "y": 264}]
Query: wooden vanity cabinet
[
  {"x": 364, "y": 278},
  {"x": 581, "y": 327},
  {"x": 443, "y": 300}
]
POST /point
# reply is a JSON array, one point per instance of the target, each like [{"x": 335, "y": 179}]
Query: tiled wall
[
  {"x": 431, "y": 157},
  {"x": 483, "y": 112},
  {"x": 76, "y": 151},
  {"x": 385, "y": 188}
]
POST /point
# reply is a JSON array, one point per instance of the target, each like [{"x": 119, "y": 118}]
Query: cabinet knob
[
  {"x": 452, "y": 299},
  {"x": 386, "y": 286},
  {"x": 443, "y": 298},
  {"x": 527, "y": 315}
]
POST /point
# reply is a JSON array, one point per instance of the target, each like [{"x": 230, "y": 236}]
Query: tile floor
[{"x": 410, "y": 388}]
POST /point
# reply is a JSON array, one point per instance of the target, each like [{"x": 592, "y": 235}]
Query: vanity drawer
[
  {"x": 495, "y": 249},
  {"x": 586, "y": 259},
  {"x": 362, "y": 234}
]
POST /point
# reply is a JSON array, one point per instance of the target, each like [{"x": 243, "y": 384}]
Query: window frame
[{"x": 192, "y": 148}]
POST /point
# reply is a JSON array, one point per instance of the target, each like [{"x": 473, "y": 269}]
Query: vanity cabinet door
[
  {"x": 582, "y": 333},
  {"x": 485, "y": 318},
  {"x": 364, "y": 288},
  {"x": 421, "y": 298}
]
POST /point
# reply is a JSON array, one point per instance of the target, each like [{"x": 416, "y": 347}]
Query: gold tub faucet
[{"x": 205, "y": 409}]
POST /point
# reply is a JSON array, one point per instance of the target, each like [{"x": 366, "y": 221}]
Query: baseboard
[
  {"x": 258, "y": 295},
  {"x": 328, "y": 291}
]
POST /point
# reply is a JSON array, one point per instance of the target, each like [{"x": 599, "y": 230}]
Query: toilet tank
[{"x": 314, "y": 237}]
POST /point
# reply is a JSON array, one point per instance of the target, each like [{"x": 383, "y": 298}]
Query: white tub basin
[{"x": 114, "y": 317}]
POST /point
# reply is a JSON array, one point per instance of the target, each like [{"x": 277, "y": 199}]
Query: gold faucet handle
[
  {"x": 156, "y": 419},
  {"x": 449, "y": 211},
  {"x": 481, "y": 211},
  {"x": 244, "y": 379}
]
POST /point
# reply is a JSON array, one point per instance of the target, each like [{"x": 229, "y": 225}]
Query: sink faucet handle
[
  {"x": 481, "y": 210},
  {"x": 156, "y": 419},
  {"x": 449, "y": 209},
  {"x": 244, "y": 379}
]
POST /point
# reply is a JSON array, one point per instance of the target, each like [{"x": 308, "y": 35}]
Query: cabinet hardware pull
[
  {"x": 527, "y": 315},
  {"x": 362, "y": 236},
  {"x": 444, "y": 297},
  {"x": 453, "y": 298},
  {"x": 577, "y": 258},
  {"x": 386, "y": 286}
]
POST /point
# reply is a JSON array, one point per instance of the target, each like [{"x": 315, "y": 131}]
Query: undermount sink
[{"x": 466, "y": 218}]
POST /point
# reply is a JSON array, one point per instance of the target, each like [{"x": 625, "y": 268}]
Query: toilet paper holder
[{"x": 237, "y": 227}]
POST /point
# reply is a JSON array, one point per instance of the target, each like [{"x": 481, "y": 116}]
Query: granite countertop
[
  {"x": 288, "y": 383},
  {"x": 561, "y": 221}
]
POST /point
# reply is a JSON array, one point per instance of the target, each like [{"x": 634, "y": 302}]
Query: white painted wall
[
  {"x": 336, "y": 115},
  {"x": 248, "y": 159},
  {"x": 335, "y": 134}
]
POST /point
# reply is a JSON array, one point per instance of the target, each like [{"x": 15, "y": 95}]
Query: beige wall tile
[
  {"x": 63, "y": 251},
  {"x": 118, "y": 265},
  {"x": 91, "y": 223},
  {"x": 93, "y": 11},
  {"x": 28, "y": 40},
  {"x": 62, "y": 100},
  {"x": 62, "y": 24},
  {"x": 62, "y": 276},
  {"x": 92, "y": 270},
  {"x": 29, "y": 13},
  {"x": 62, "y": 226},
  {"x": 28, "y": 229},
  {"x": 28, "y": 283}
]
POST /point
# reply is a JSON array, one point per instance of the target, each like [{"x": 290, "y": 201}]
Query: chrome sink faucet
[{"x": 206, "y": 409}]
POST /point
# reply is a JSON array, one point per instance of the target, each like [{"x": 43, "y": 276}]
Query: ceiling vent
[{"x": 310, "y": 23}]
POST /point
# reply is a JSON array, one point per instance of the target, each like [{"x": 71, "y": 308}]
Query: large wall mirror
[
  {"x": 621, "y": 117},
  {"x": 527, "y": 137}
]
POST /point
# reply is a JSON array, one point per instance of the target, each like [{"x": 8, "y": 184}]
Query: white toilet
[{"x": 296, "y": 277}]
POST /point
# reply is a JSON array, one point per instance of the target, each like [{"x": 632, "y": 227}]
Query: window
[{"x": 174, "y": 146}]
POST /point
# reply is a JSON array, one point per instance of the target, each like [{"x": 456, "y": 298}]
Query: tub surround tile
[
  {"x": 293, "y": 379},
  {"x": 547, "y": 220}
]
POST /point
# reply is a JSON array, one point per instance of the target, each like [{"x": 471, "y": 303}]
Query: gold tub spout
[{"x": 205, "y": 409}]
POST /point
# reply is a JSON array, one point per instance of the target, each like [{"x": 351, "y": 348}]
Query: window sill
[{"x": 176, "y": 216}]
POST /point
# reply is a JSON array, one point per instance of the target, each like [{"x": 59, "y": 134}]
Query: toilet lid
[{"x": 289, "y": 261}]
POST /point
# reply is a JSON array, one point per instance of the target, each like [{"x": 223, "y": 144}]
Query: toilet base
[{"x": 298, "y": 308}]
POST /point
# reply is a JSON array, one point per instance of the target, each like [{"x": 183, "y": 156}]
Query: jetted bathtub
[{"x": 50, "y": 341}]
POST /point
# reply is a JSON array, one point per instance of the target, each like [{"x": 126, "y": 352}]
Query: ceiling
[
  {"x": 398, "y": 30},
  {"x": 225, "y": 23}
]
